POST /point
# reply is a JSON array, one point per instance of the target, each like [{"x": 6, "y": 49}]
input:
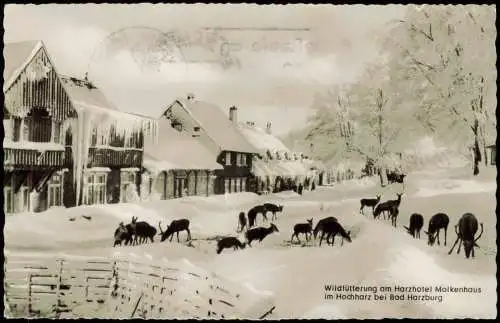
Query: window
[
  {"x": 227, "y": 185},
  {"x": 56, "y": 132},
  {"x": 243, "y": 185},
  {"x": 493, "y": 156},
  {"x": 8, "y": 125},
  {"x": 55, "y": 190},
  {"x": 132, "y": 141},
  {"x": 236, "y": 185},
  {"x": 94, "y": 188},
  {"x": 24, "y": 199},
  {"x": 126, "y": 178},
  {"x": 242, "y": 159},
  {"x": 228, "y": 158},
  {"x": 196, "y": 129},
  {"x": 24, "y": 130},
  {"x": 8, "y": 199}
]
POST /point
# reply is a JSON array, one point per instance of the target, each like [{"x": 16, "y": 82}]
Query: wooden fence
[{"x": 67, "y": 286}]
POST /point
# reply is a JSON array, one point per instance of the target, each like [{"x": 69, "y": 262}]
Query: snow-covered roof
[
  {"x": 217, "y": 125},
  {"x": 262, "y": 140},
  {"x": 85, "y": 95},
  {"x": 16, "y": 57},
  {"x": 279, "y": 168},
  {"x": 176, "y": 150}
]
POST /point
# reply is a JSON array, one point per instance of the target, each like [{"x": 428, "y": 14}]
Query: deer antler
[
  {"x": 159, "y": 226},
  {"x": 482, "y": 230}
]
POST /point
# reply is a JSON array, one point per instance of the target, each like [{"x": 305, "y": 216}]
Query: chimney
[
  {"x": 190, "y": 96},
  {"x": 233, "y": 114},
  {"x": 268, "y": 128}
]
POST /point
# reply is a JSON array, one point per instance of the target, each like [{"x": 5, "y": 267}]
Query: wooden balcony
[
  {"x": 16, "y": 158},
  {"x": 110, "y": 157}
]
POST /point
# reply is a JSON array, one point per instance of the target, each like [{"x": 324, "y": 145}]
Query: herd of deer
[
  {"x": 141, "y": 232},
  {"x": 466, "y": 228}
]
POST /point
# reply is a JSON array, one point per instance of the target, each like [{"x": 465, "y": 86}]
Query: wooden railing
[
  {"x": 114, "y": 287},
  {"x": 109, "y": 157},
  {"x": 32, "y": 158}
]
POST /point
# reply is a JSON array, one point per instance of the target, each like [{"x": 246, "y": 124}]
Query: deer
[
  {"x": 332, "y": 228},
  {"x": 305, "y": 228},
  {"x": 273, "y": 208},
  {"x": 253, "y": 212},
  {"x": 393, "y": 214},
  {"x": 259, "y": 233},
  {"x": 145, "y": 231},
  {"x": 416, "y": 224},
  {"x": 229, "y": 242},
  {"x": 386, "y": 206},
  {"x": 132, "y": 237},
  {"x": 437, "y": 222},
  {"x": 369, "y": 203},
  {"x": 242, "y": 222},
  {"x": 466, "y": 230},
  {"x": 175, "y": 226},
  {"x": 321, "y": 223},
  {"x": 121, "y": 235}
]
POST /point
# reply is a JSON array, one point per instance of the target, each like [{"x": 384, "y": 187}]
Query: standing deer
[
  {"x": 304, "y": 228},
  {"x": 121, "y": 235},
  {"x": 242, "y": 222},
  {"x": 273, "y": 208},
  {"x": 393, "y": 214},
  {"x": 416, "y": 224},
  {"x": 253, "y": 212},
  {"x": 466, "y": 230},
  {"x": 369, "y": 203},
  {"x": 144, "y": 231},
  {"x": 436, "y": 223},
  {"x": 386, "y": 206}
]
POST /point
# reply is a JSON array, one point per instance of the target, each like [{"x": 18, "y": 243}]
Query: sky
[{"x": 269, "y": 61}]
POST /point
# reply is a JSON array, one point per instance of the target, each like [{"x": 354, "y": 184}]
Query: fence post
[
  {"x": 7, "y": 311},
  {"x": 58, "y": 290},
  {"x": 86, "y": 288},
  {"x": 29, "y": 295}
]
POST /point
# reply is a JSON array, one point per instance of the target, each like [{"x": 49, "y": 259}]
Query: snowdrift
[{"x": 296, "y": 274}]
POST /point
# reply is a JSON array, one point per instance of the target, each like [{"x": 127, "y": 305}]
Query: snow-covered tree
[
  {"x": 443, "y": 60},
  {"x": 366, "y": 119}
]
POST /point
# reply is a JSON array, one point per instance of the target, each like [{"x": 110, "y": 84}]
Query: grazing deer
[
  {"x": 273, "y": 208},
  {"x": 369, "y": 203},
  {"x": 436, "y": 223},
  {"x": 332, "y": 228},
  {"x": 175, "y": 226},
  {"x": 253, "y": 212},
  {"x": 229, "y": 242},
  {"x": 321, "y": 223},
  {"x": 304, "y": 228},
  {"x": 259, "y": 233},
  {"x": 242, "y": 222},
  {"x": 416, "y": 224},
  {"x": 386, "y": 206},
  {"x": 466, "y": 230}
]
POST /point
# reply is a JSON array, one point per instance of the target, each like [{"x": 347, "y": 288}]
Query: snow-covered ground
[{"x": 379, "y": 254}]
